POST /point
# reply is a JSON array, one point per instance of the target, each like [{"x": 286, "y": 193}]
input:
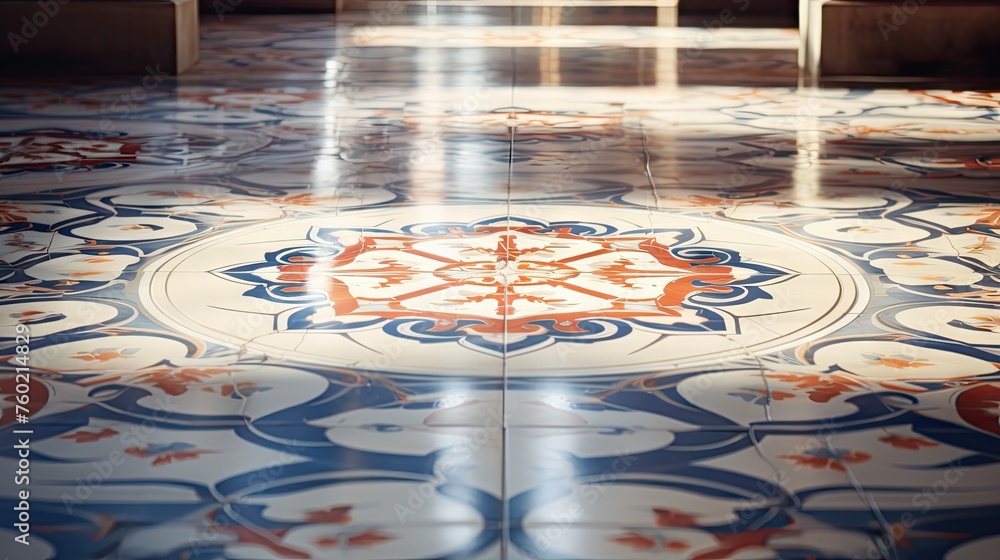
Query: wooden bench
[
  {"x": 221, "y": 8},
  {"x": 741, "y": 12},
  {"x": 950, "y": 43},
  {"x": 97, "y": 37}
]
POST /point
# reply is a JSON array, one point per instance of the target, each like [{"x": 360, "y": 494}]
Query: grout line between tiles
[
  {"x": 649, "y": 173},
  {"x": 886, "y": 544},
  {"x": 504, "y": 433}
]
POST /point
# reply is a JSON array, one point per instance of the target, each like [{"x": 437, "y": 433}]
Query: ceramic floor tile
[
  {"x": 623, "y": 476},
  {"x": 463, "y": 459},
  {"x": 927, "y": 482},
  {"x": 293, "y": 507},
  {"x": 815, "y": 471},
  {"x": 729, "y": 179},
  {"x": 406, "y": 187},
  {"x": 956, "y": 466},
  {"x": 575, "y": 185},
  {"x": 723, "y": 397},
  {"x": 23, "y": 246},
  {"x": 578, "y": 156},
  {"x": 808, "y": 397},
  {"x": 900, "y": 358},
  {"x": 41, "y": 280},
  {"x": 393, "y": 240},
  {"x": 963, "y": 413},
  {"x": 497, "y": 282},
  {"x": 789, "y": 207},
  {"x": 491, "y": 155},
  {"x": 112, "y": 351},
  {"x": 566, "y": 324},
  {"x": 581, "y": 542},
  {"x": 633, "y": 491},
  {"x": 45, "y": 277},
  {"x": 375, "y": 323},
  {"x": 452, "y": 474},
  {"x": 766, "y": 250},
  {"x": 288, "y": 540},
  {"x": 338, "y": 397},
  {"x": 545, "y": 165},
  {"x": 34, "y": 217},
  {"x": 184, "y": 390},
  {"x": 78, "y": 152}
]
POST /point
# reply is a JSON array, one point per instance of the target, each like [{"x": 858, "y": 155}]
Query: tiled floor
[{"x": 475, "y": 285}]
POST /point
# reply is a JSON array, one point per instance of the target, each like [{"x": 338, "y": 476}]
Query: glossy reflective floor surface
[{"x": 473, "y": 284}]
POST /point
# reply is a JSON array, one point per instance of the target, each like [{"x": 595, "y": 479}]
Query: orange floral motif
[
  {"x": 731, "y": 544},
  {"x": 326, "y": 542},
  {"x": 992, "y": 218},
  {"x": 83, "y": 436},
  {"x": 242, "y": 388},
  {"x": 306, "y": 200},
  {"x": 361, "y": 540},
  {"x": 165, "y": 454},
  {"x": 673, "y": 518},
  {"x": 981, "y": 246},
  {"x": 177, "y": 457},
  {"x": 825, "y": 459},
  {"x": 19, "y": 242},
  {"x": 984, "y": 323},
  {"x": 728, "y": 544},
  {"x": 171, "y": 381},
  {"x": 269, "y": 539},
  {"x": 819, "y": 388},
  {"x": 638, "y": 541},
  {"x": 105, "y": 354},
  {"x": 10, "y": 214},
  {"x": 676, "y": 546},
  {"x": 44, "y": 148},
  {"x": 897, "y": 361},
  {"x": 25, "y": 315},
  {"x": 368, "y": 538},
  {"x": 526, "y": 251},
  {"x": 912, "y": 443},
  {"x": 179, "y": 194},
  {"x": 337, "y": 515},
  {"x": 635, "y": 541},
  {"x": 901, "y": 534},
  {"x": 697, "y": 201}
]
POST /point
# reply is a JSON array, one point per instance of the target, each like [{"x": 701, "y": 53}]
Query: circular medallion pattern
[{"x": 554, "y": 296}]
